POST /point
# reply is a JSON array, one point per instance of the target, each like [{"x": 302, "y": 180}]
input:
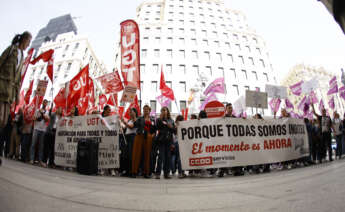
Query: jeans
[
  {"x": 25, "y": 147},
  {"x": 339, "y": 140},
  {"x": 38, "y": 136},
  {"x": 164, "y": 158},
  {"x": 327, "y": 144},
  {"x": 175, "y": 158}
]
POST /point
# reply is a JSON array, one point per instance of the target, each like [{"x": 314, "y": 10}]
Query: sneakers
[
  {"x": 44, "y": 165},
  {"x": 158, "y": 176},
  {"x": 31, "y": 162},
  {"x": 113, "y": 172},
  {"x": 181, "y": 175}
]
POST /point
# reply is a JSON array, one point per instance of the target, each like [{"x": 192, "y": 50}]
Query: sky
[{"x": 295, "y": 31}]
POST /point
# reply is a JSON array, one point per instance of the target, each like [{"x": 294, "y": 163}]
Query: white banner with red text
[
  {"x": 230, "y": 142},
  {"x": 103, "y": 130}
]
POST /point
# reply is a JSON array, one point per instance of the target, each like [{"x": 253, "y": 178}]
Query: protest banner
[
  {"x": 41, "y": 87},
  {"x": 276, "y": 91},
  {"x": 310, "y": 86},
  {"x": 256, "y": 99},
  {"x": 230, "y": 142},
  {"x": 129, "y": 94},
  {"x": 71, "y": 130}
]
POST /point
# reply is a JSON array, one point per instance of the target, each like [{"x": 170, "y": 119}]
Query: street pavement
[{"x": 27, "y": 188}]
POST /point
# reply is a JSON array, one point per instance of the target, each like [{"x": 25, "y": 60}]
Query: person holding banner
[
  {"x": 326, "y": 137},
  {"x": 165, "y": 126},
  {"x": 41, "y": 117},
  {"x": 11, "y": 61},
  {"x": 50, "y": 135},
  {"x": 146, "y": 129},
  {"x": 130, "y": 133}
]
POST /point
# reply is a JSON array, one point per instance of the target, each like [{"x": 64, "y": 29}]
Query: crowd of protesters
[{"x": 149, "y": 145}]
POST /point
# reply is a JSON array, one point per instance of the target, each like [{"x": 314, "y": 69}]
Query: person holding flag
[{"x": 11, "y": 61}]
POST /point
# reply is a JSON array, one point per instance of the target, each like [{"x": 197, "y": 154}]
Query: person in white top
[{"x": 41, "y": 118}]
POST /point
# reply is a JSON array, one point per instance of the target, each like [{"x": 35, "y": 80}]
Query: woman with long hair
[
  {"x": 165, "y": 127},
  {"x": 11, "y": 62},
  {"x": 143, "y": 142}
]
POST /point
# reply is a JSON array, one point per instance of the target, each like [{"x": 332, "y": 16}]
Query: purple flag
[
  {"x": 313, "y": 97},
  {"x": 210, "y": 98},
  {"x": 331, "y": 103},
  {"x": 342, "y": 92},
  {"x": 288, "y": 104},
  {"x": 163, "y": 101},
  {"x": 274, "y": 104},
  {"x": 321, "y": 105},
  {"x": 333, "y": 86},
  {"x": 217, "y": 86},
  {"x": 301, "y": 104},
  {"x": 297, "y": 88}
]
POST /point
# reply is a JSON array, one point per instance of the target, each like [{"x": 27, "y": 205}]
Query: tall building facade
[
  {"x": 307, "y": 72},
  {"x": 55, "y": 27},
  {"x": 71, "y": 53},
  {"x": 195, "y": 42}
]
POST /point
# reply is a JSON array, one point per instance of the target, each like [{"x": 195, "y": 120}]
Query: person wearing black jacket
[
  {"x": 16, "y": 134},
  {"x": 165, "y": 127},
  {"x": 146, "y": 129},
  {"x": 326, "y": 137}
]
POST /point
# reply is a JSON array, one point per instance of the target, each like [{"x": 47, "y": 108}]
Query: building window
[
  {"x": 235, "y": 36},
  {"x": 170, "y": 30},
  {"x": 248, "y": 48},
  {"x": 155, "y": 68},
  {"x": 142, "y": 85},
  {"x": 204, "y": 33},
  {"x": 226, "y": 36},
  {"x": 230, "y": 58},
  {"x": 183, "y": 86},
  {"x": 159, "y": 29},
  {"x": 233, "y": 73},
  {"x": 182, "y": 69},
  {"x": 193, "y": 31},
  {"x": 169, "y": 68},
  {"x": 207, "y": 55},
  {"x": 195, "y": 69},
  {"x": 219, "y": 57},
  {"x": 66, "y": 47},
  {"x": 181, "y": 41},
  {"x": 142, "y": 68},
  {"x": 244, "y": 74},
  {"x": 238, "y": 47},
  {"x": 205, "y": 42},
  {"x": 246, "y": 87},
  {"x": 209, "y": 70},
  {"x": 181, "y": 30},
  {"x": 235, "y": 87},
  {"x": 170, "y": 40},
  {"x": 216, "y": 43},
  {"x": 251, "y": 60},
  {"x": 262, "y": 63},
  {"x": 146, "y": 39},
  {"x": 69, "y": 66},
  {"x": 266, "y": 77},
  {"x": 183, "y": 105},
  {"x": 221, "y": 70},
  {"x": 156, "y": 52},
  {"x": 255, "y": 75},
  {"x": 143, "y": 53},
  {"x": 169, "y": 53},
  {"x": 241, "y": 59},
  {"x": 158, "y": 40},
  {"x": 194, "y": 41},
  {"x": 153, "y": 105},
  {"x": 58, "y": 69},
  {"x": 194, "y": 54},
  {"x": 168, "y": 83},
  {"x": 227, "y": 44},
  {"x": 154, "y": 85},
  {"x": 245, "y": 38},
  {"x": 258, "y": 51},
  {"x": 182, "y": 54},
  {"x": 255, "y": 40},
  {"x": 76, "y": 46}
]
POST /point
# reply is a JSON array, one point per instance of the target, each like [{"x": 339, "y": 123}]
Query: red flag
[
  {"x": 83, "y": 104},
  {"x": 28, "y": 93},
  {"x": 26, "y": 64},
  {"x": 29, "y": 110},
  {"x": 111, "y": 100},
  {"x": 102, "y": 100},
  {"x": 135, "y": 105},
  {"x": 60, "y": 98},
  {"x": 91, "y": 93},
  {"x": 121, "y": 109},
  {"x": 186, "y": 114},
  {"x": 111, "y": 82},
  {"x": 166, "y": 91},
  {"x": 130, "y": 60},
  {"x": 78, "y": 86},
  {"x": 21, "y": 101},
  {"x": 46, "y": 57}
]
